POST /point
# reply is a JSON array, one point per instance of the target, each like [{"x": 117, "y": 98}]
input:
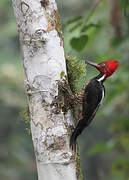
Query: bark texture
[{"x": 43, "y": 62}]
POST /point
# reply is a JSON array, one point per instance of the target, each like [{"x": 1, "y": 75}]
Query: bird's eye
[{"x": 103, "y": 64}]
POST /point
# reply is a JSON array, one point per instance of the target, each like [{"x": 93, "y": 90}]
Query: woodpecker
[{"x": 91, "y": 97}]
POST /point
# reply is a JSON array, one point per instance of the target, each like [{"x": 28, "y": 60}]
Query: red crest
[{"x": 108, "y": 67}]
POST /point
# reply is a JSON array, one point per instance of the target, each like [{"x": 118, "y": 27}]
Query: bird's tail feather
[{"x": 77, "y": 131}]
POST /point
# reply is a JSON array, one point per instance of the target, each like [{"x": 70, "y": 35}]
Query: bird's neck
[{"x": 100, "y": 78}]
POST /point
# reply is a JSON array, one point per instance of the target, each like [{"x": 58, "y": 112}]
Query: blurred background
[{"x": 92, "y": 30}]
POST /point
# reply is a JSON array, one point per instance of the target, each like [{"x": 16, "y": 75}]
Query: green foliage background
[{"x": 95, "y": 32}]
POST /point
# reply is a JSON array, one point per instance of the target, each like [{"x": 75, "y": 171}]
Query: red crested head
[{"x": 108, "y": 67}]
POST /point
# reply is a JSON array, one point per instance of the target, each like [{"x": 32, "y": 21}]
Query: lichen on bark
[
  {"x": 26, "y": 115},
  {"x": 76, "y": 71},
  {"x": 78, "y": 167}
]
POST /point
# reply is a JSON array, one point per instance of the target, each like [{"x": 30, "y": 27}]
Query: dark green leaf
[{"x": 79, "y": 43}]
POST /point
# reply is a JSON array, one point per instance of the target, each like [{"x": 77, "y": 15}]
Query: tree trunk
[{"x": 43, "y": 63}]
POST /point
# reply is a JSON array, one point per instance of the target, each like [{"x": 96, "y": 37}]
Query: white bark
[{"x": 43, "y": 62}]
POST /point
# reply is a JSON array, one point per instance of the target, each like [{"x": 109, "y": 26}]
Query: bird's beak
[{"x": 93, "y": 64}]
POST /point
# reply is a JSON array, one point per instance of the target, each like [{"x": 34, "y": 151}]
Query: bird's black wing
[{"x": 91, "y": 100}]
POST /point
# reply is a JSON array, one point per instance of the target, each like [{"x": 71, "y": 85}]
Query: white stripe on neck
[
  {"x": 102, "y": 96},
  {"x": 101, "y": 79}
]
